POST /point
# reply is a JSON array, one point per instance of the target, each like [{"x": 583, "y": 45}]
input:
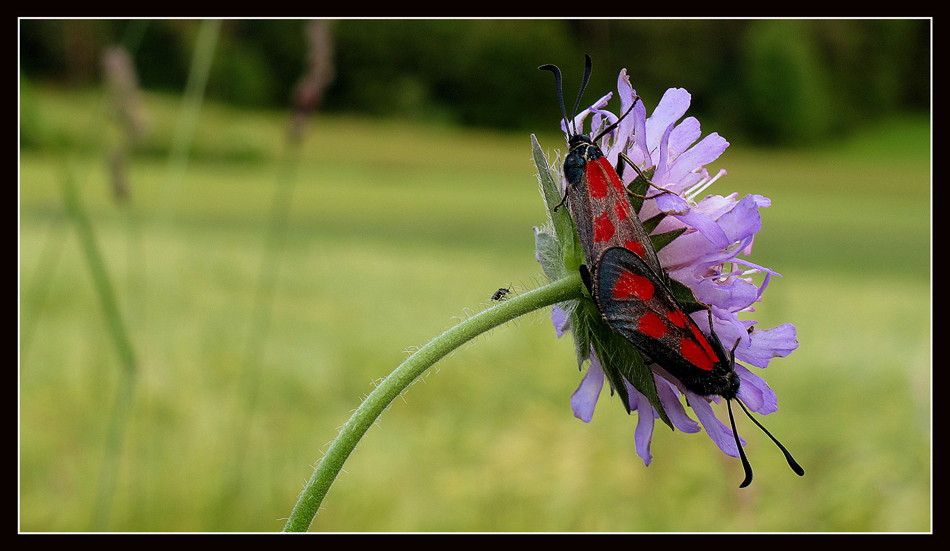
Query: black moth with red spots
[
  {"x": 624, "y": 272},
  {"x": 639, "y": 306},
  {"x": 626, "y": 281}
]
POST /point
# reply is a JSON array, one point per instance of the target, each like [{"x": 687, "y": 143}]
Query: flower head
[{"x": 698, "y": 240}]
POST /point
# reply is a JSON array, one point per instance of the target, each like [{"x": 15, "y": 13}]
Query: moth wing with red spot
[
  {"x": 599, "y": 197},
  {"x": 634, "y": 236},
  {"x": 636, "y": 303}
]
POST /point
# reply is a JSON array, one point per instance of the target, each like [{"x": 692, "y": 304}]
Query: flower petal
[
  {"x": 730, "y": 294},
  {"x": 669, "y": 397},
  {"x": 578, "y": 121},
  {"x": 769, "y": 343},
  {"x": 706, "y": 151},
  {"x": 716, "y": 429},
  {"x": 671, "y": 108},
  {"x": 643, "y": 435},
  {"x": 584, "y": 399},
  {"x": 676, "y": 206},
  {"x": 627, "y": 127},
  {"x": 755, "y": 393},
  {"x": 560, "y": 319},
  {"x": 743, "y": 220},
  {"x": 684, "y": 135}
]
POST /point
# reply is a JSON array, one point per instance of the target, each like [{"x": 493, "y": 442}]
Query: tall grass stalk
[
  {"x": 125, "y": 392},
  {"x": 205, "y": 44},
  {"x": 568, "y": 288},
  {"x": 120, "y": 338},
  {"x": 105, "y": 290},
  {"x": 307, "y": 97}
]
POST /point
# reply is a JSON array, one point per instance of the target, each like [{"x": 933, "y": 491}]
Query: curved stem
[{"x": 568, "y": 288}]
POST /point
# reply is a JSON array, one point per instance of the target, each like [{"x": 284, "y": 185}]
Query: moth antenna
[
  {"x": 610, "y": 128},
  {"x": 788, "y": 456},
  {"x": 735, "y": 433},
  {"x": 746, "y": 466},
  {"x": 560, "y": 93},
  {"x": 748, "y": 469},
  {"x": 580, "y": 93}
]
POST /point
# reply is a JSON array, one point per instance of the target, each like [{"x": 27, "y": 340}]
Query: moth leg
[
  {"x": 563, "y": 199},
  {"x": 712, "y": 332},
  {"x": 640, "y": 174},
  {"x": 585, "y": 277}
]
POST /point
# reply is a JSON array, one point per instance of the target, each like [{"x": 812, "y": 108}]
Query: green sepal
[
  {"x": 684, "y": 296},
  {"x": 619, "y": 359},
  {"x": 581, "y": 313},
  {"x": 650, "y": 224},
  {"x": 637, "y": 189},
  {"x": 548, "y": 251},
  {"x": 661, "y": 240},
  {"x": 564, "y": 229}
]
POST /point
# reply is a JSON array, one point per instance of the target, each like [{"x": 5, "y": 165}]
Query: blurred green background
[{"x": 266, "y": 272}]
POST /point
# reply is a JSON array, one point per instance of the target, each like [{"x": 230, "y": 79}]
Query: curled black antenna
[
  {"x": 610, "y": 128},
  {"x": 580, "y": 93},
  {"x": 788, "y": 457},
  {"x": 557, "y": 85},
  {"x": 746, "y": 466},
  {"x": 745, "y": 461},
  {"x": 569, "y": 121}
]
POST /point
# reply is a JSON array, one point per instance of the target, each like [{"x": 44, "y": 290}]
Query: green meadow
[{"x": 264, "y": 289}]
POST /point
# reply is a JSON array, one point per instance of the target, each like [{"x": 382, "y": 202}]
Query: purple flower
[{"x": 708, "y": 258}]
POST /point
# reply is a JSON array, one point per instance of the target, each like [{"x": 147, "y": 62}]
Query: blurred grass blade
[
  {"x": 205, "y": 45},
  {"x": 120, "y": 338}
]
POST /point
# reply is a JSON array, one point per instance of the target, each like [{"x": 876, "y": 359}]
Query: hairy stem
[{"x": 568, "y": 288}]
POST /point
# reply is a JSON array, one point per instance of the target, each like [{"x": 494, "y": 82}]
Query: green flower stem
[{"x": 567, "y": 288}]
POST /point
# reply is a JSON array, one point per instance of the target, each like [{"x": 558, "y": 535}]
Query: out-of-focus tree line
[{"x": 772, "y": 81}]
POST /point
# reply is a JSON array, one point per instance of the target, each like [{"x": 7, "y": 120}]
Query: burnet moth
[{"x": 626, "y": 281}]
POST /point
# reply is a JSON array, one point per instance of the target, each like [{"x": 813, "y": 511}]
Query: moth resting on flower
[{"x": 654, "y": 262}]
